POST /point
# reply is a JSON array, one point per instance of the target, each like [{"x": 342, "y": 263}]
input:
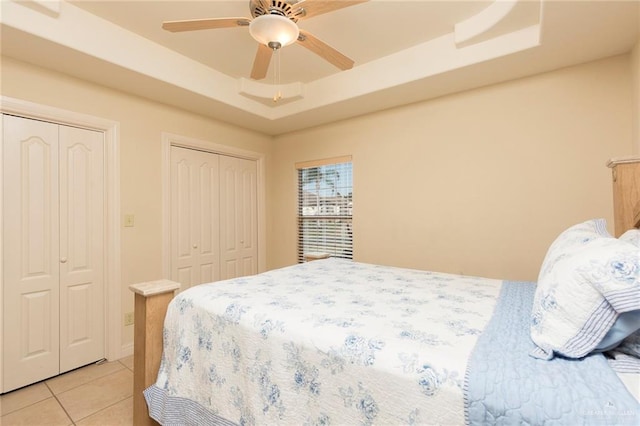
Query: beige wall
[
  {"x": 141, "y": 124},
  {"x": 488, "y": 177},
  {"x": 477, "y": 183},
  {"x": 635, "y": 70}
]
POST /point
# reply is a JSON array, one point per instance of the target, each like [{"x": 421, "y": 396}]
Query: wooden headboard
[{"x": 626, "y": 193}]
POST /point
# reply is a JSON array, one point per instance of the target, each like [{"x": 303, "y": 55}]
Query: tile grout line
[
  {"x": 60, "y": 403},
  {"x": 55, "y": 396},
  {"x": 124, "y": 367},
  {"x": 104, "y": 408},
  {"x": 31, "y": 404},
  {"x": 73, "y": 422},
  {"x": 84, "y": 383}
]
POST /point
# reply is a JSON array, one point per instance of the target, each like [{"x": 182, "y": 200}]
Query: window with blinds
[{"x": 325, "y": 208}]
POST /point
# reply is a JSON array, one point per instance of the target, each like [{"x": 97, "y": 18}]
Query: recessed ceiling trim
[
  {"x": 427, "y": 59},
  {"x": 252, "y": 88},
  {"x": 49, "y": 7},
  {"x": 482, "y": 22}
]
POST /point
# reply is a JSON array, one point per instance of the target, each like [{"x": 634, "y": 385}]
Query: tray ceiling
[{"x": 404, "y": 52}]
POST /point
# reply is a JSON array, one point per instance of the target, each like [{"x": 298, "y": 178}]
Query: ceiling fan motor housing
[
  {"x": 276, "y": 7},
  {"x": 274, "y": 25}
]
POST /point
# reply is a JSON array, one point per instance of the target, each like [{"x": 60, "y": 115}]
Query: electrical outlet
[{"x": 128, "y": 318}]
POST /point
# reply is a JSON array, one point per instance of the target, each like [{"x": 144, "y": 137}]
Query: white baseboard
[{"x": 126, "y": 350}]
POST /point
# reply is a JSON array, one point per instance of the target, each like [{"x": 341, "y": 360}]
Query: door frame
[
  {"x": 112, "y": 276},
  {"x": 169, "y": 140}
]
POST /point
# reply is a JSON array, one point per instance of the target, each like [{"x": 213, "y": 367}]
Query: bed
[{"x": 340, "y": 342}]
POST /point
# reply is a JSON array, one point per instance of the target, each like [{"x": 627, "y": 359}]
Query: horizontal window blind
[{"x": 325, "y": 208}]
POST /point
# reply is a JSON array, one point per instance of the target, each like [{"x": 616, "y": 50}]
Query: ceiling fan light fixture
[{"x": 271, "y": 28}]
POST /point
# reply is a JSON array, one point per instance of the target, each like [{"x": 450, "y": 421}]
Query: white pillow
[
  {"x": 586, "y": 280},
  {"x": 632, "y": 236}
]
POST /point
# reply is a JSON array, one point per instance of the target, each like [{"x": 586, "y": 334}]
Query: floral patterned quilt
[{"x": 324, "y": 342}]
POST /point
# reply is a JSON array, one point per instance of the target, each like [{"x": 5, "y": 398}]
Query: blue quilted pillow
[
  {"x": 626, "y": 324},
  {"x": 626, "y": 357},
  {"x": 587, "y": 279},
  {"x": 631, "y": 345}
]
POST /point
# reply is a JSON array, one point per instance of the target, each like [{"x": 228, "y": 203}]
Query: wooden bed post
[
  {"x": 626, "y": 193},
  {"x": 151, "y": 301}
]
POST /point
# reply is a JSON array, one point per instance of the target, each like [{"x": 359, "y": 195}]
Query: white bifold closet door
[
  {"x": 213, "y": 217},
  {"x": 53, "y": 249},
  {"x": 238, "y": 217},
  {"x": 195, "y": 256}
]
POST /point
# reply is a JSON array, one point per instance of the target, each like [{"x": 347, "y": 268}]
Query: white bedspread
[{"x": 325, "y": 342}]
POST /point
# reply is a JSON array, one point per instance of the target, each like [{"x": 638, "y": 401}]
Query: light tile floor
[{"x": 98, "y": 394}]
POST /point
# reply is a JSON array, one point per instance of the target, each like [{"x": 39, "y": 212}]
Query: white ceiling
[{"x": 404, "y": 51}]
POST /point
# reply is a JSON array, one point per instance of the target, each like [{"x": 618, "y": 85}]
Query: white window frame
[{"x": 332, "y": 215}]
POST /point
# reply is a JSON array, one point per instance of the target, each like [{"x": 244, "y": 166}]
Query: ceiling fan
[{"x": 274, "y": 26}]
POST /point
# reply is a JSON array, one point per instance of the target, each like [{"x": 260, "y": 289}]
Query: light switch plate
[{"x": 129, "y": 220}]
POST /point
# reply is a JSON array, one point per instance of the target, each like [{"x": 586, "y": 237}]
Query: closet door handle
[
  {"x": 63, "y": 260},
  {"x": 195, "y": 246}
]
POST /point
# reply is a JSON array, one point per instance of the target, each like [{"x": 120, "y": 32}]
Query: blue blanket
[{"x": 504, "y": 385}]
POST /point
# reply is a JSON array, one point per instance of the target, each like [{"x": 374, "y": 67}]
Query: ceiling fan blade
[
  {"x": 318, "y": 7},
  {"x": 204, "y": 24},
  {"x": 261, "y": 62},
  {"x": 325, "y": 51}
]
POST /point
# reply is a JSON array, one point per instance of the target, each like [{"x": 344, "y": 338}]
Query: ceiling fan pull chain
[{"x": 276, "y": 75}]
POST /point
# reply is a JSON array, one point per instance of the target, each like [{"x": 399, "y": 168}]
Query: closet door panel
[
  {"x": 81, "y": 247},
  {"x": 238, "y": 220},
  {"x": 213, "y": 217},
  {"x": 206, "y": 273},
  {"x": 183, "y": 218},
  {"x": 183, "y": 214},
  {"x": 208, "y": 205},
  {"x": 249, "y": 265},
  {"x": 185, "y": 276},
  {"x": 30, "y": 254},
  {"x": 35, "y": 310},
  {"x": 249, "y": 218},
  {"x": 194, "y": 217},
  {"x": 229, "y": 226},
  {"x": 230, "y": 269}
]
